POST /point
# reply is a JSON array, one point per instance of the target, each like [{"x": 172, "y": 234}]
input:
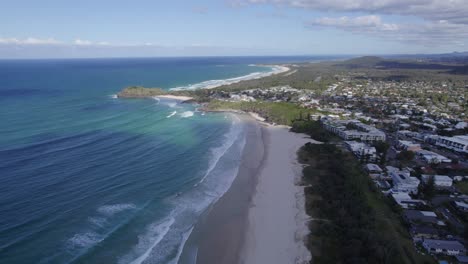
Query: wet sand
[
  {"x": 277, "y": 220},
  {"x": 219, "y": 235},
  {"x": 261, "y": 218}
]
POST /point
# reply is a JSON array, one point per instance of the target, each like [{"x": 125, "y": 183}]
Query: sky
[{"x": 157, "y": 28}]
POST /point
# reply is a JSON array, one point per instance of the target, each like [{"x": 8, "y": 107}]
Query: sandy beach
[
  {"x": 176, "y": 97},
  {"x": 276, "y": 219},
  {"x": 261, "y": 219}
]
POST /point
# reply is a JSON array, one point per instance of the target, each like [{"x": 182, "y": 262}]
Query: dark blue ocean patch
[
  {"x": 97, "y": 107},
  {"x": 22, "y": 92}
]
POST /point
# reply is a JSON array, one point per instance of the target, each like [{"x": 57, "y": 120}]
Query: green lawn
[{"x": 277, "y": 112}]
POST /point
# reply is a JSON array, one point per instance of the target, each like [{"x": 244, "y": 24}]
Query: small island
[{"x": 143, "y": 92}]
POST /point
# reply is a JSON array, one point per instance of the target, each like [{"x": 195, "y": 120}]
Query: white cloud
[
  {"x": 368, "y": 23},
  {"x": 440, "y": 22},
  {"x": 437, "y": 33},
  {"x": 81, "y": 42},
  {"x": 30, "y": 41},
  {"x": 454, "y": 11}
]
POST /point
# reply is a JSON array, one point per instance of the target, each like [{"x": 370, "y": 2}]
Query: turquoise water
[{"x": 88, "y": 178}]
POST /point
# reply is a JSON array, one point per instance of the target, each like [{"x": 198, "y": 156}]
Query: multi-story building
[
  {"x": 403, "y": 182},
  {"x": 362, "y": 151},
  {"x": 354, "y": 130},
  {"x": 446, "y": 247},
  {"x": 456, "y": 143}
]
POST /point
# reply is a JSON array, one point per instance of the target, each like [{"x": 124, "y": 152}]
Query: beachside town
[{"x": 412, "y": 140}]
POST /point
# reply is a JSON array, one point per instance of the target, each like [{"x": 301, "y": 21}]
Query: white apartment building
[
  {"x": 360, "y": 131},
  {"x": 456, "y": 143},
  {"x": 403, "y": 182}
]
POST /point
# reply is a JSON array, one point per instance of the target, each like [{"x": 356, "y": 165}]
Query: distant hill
[
  {"x": 373, "y": 62},
  {"x": 460, "y": 70},
  {"x": 362, "y": 62},
  {"x": 451, "y": 58}
]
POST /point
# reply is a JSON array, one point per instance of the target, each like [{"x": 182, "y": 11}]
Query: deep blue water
[{"x": 88, "y": 178}]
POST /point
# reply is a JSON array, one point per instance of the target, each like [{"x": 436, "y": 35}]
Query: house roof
[
  {"x": 373, "y": 167},
  {"x": 422, "y": 216},
  {"x": 418, "y": 229},
  {"x": 444, "y": 244},
  {"x": 462, "y": 259}
]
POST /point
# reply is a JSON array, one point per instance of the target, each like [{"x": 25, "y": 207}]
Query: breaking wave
[
  {"x": 186, "y": 114},
  {"x": 216, "y": 83}
]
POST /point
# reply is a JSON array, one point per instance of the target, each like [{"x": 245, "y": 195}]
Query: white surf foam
[
  {"x": 112, "y": 209},
  {"x": 181, "y": 247},
  {"x": 171, "y": 114},
  {"x": 186, "y": 114},
  {"x": 113, "y": 96},
  {"x": 97, "y": 221},
  {"x": 276, "y": 69},
  {"x": 172, "y": 104},
  {"x": 156, "y": 233},
  {"x": 156, "y": 99},
  {"x": 84, "y": 240},
  {"x": 217, "y": 153},
  {"x": 164, "y": 241}
]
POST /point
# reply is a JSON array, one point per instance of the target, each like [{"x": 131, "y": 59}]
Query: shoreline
[
  {"x": 277, "y": 221},
  {"x": 211, "y": 84},
  {"x": 176, "y": 97},
  {"x": 227, "y": 218},
  {"x": 243, "y": 225}
]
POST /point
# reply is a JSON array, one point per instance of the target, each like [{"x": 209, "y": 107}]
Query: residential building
[
  {"x": 408, "y": 145},
  {"x": 373, "y": 168},
  {"x": 432, "y": 157},
  {"x": 403, "y": 182},
  {"x": 462, "y": 259},
  {"x": 354, "y": 130},
  {"x": 461, "y": 206},
  {"x": 362, "y": 151},
  {"x": 440, "y": 181},
  {"x": 405, "y": 201},
  {"x": 446, "y": 247},
  {"x": 456, "y": 143},
  {"x": 419, "y": 232},
  {"x": 422, "y": 217}
]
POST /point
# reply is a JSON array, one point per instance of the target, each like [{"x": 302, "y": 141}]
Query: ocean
[{"x": 86, "y": 177}]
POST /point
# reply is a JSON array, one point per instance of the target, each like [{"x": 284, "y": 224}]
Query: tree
[
  {"x": 382, "y": 147},
  {"x": 405, "y": 156},
  {"x": 428, "y": 188}
]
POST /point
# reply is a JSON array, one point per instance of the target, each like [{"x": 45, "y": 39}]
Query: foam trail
[
  {"x": 84, "y": 240},
  {"x": 230, "y": 139},
  {"x": 113, "y": 96},
  {"x": 115, "y": 208},
  {"x": 186, "y": 114},
  {"x": 181, "y": 247},
  {"x": 162, "y": 230},
  {"x": 216, "y": 83},
  {"x": 171, "y": 114},
  {"x": 156, "y": 99}
]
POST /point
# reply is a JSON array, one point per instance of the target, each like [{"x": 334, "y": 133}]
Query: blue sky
[{"x": 63, "y": 28}]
